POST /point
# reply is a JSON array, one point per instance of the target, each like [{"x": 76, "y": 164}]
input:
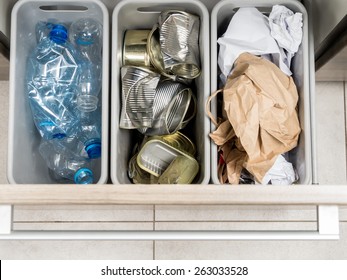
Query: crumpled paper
[
  {"x": 286, "y": 29},
  {"x": 260, "y": 102},
  {"x": 281, "y": 173},
  {"x": 249, "y": 31}
]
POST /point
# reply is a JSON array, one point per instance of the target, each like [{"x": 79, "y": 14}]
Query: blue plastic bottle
[
  {"x": 52, "y": 74},
  {"x": 85, "y": 140},
  {"x": 90, "y": 133},
  {"x": 43, "y": 28},
  {"x": 86, "y": 35},
  {"x": 64, "y": 162}
]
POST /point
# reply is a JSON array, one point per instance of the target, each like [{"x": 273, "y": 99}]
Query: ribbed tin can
[
  {"x": 138, "y": 90},
  {"x": 179, "y": 43},
  {"x": 174, "y": 106}
]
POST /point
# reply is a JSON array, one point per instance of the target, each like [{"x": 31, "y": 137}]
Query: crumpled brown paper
[{"x": 260, "y": 102}]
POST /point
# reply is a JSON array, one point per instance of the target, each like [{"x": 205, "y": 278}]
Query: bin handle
[
  {"x": 63, "y": 8},
  {"x": 328, "y": 229}
]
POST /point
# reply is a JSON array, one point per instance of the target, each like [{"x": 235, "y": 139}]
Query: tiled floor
[{"x": 331, "y": 143}]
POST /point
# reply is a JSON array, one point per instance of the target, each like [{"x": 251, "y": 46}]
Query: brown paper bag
[{"x": 260, "y": 102}]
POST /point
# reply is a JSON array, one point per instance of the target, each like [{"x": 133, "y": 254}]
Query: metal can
[
  {"x": 158, "y": 152},
  {"x": 135, "y": 48},
  {"x": 179, "y": 43},
  {"x": 138, "y": 89},
  {"x": 182, "y": 170},
  {"x": 174, "y": 106}
]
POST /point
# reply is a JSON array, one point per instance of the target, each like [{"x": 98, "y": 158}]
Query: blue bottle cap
[
  {"x": 84, "y": 176},
  {"x": 93, "y": 148},
  {"x": 59, "y": 136},
  {"x": 58, "y": 34}
]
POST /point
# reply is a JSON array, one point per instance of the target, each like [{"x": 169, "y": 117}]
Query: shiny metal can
[
  {"x": 138, "y": 89},
  {"x": 138, "y": 175},
  {"x": 158, "y": 152},
  {"x": 179, "y": 43},
  {"x": 177, "y": 140},
  {"x": 174, "y": 106},
  {"x": 182, "y": 170},
  {"x": 135, "y": 48}
]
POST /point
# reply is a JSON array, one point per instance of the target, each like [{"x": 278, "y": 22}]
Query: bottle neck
[{"x": 84, "y": 176}]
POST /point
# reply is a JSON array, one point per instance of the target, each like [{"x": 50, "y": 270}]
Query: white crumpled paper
[
  {"x": 281, "y": 173},
  {"x": 286, "y": 29},
  {"x": 249, "y": 31}
]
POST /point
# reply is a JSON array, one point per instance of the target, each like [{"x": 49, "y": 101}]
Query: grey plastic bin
[
  {"x": 135, "y": 14},
  {"x": 25, "y": 165},
  {"x": 220, "y": 18}
]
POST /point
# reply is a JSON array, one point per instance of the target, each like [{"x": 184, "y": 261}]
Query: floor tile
[
  {"x": 84, "y": 250},
  {"x": 330, "y": 121},
  {"x": 237, "y": 250},
  {"x": 4, "y": 67},
  {"x": 343, "y": 213}
]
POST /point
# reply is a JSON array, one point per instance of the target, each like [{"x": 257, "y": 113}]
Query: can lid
[
  {"x": 84, "y": 176},
  {"x": 157, "y": 153},
  {"x": 58, "y": 34}
]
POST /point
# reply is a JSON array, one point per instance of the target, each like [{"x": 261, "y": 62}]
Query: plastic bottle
[
  {"x": 64, "y": 163},
  {"x": 86, "y": 35},
  {"x": 43, "y": 28},
  {"x": 90, "y": 133},
  {"x": 52, "y": 73}
]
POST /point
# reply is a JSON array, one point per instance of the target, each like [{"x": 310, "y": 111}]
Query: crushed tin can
[
  {"x": 138, "y": 175},
  {"x": 138, "y": 90},
  {"x": 135, "y": 48},
  {"x": 179, "y": 44},
  {"x": 174, "y": 106},
  {"x": 154, "y": 106},
  {"x": 177, "y": 140},
  {"x": 182, "y": 170}
]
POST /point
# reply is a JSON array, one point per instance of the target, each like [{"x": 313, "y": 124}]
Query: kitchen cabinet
[{"x": 203, "y": 195}]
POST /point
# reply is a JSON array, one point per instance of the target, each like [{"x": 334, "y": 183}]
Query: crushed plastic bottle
[
  {"x": 64, "y": 163},
  {"x": 52, "y": 74},
  {"x": 64, "y": 82},
  {"x": 88, "y": 134},
  {"x": 86, "y": 36},
  {"x": 43, "y": 28}
]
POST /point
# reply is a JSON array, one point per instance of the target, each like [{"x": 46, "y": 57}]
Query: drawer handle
[{"x": 328, "y": 229}]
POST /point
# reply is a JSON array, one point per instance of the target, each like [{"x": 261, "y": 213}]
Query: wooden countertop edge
[{"x": 169, "y": 194}]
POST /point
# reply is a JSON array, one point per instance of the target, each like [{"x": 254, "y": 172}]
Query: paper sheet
[{"x": 249, "y": 31}]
